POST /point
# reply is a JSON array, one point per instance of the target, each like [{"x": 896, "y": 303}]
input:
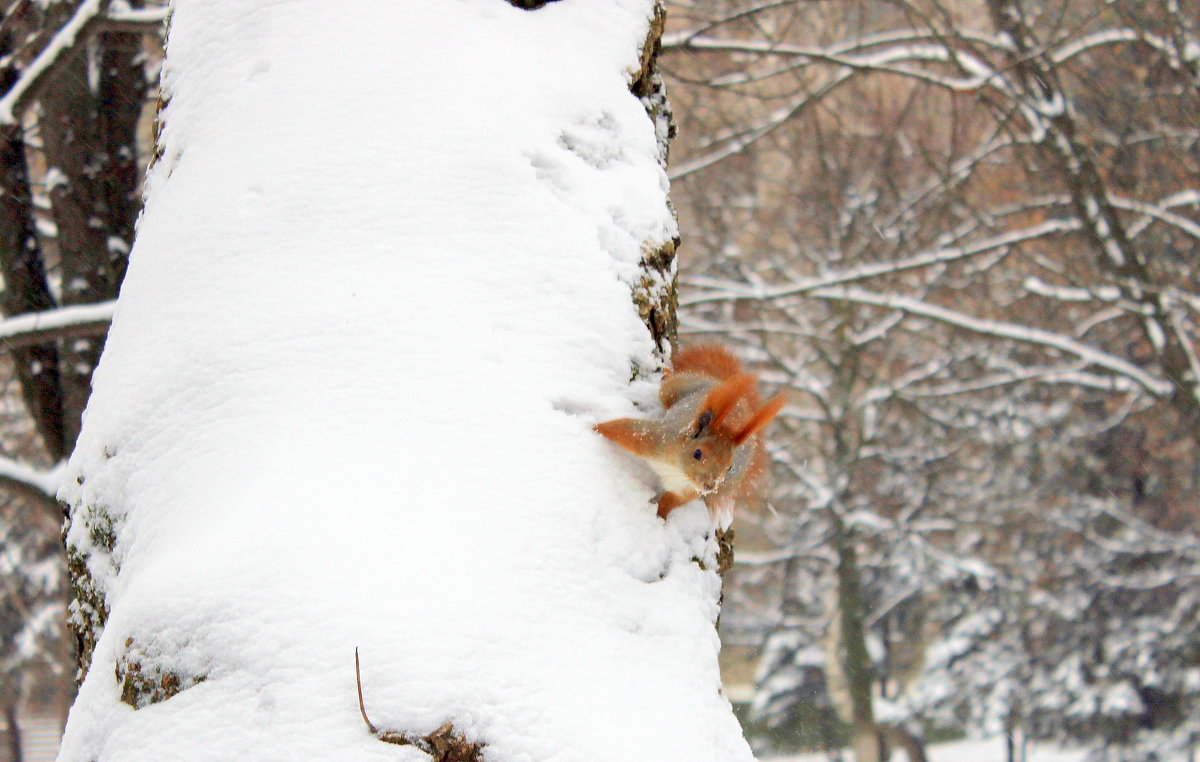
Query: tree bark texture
[
  {"x": 855, "y": 661},
  {"x": 90, "y": 134},
  {"x": 25, "y": 286},
  {"x": 90, "y": 112},
  {"x": 655, "y": 296},
  {"x": 13, "y": 731}
]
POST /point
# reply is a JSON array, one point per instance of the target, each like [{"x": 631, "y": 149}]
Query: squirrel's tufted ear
[
  {"x": 701, "y": 424},
  {"x": 724, "y": 397},
  {"x": 761, "y": 418}
]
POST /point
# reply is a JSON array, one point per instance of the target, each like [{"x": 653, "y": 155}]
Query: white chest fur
[{"x": 671, "y": 476}]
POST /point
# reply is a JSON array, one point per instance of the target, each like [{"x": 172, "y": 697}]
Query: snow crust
[{"x": 379, "y": 294}]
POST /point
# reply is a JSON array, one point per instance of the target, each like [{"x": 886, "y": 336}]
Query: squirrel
[{"x": 705, "y": 443}]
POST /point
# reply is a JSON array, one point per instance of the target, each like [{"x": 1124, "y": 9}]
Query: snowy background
[{"x": 964, "y": 240}]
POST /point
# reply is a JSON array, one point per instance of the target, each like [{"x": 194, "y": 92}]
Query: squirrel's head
[
  {"x": 726, "y": 420},
  {"x": 707, "y": 454}
]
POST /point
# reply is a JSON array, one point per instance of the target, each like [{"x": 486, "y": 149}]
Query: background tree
[{"x": 962, "y": 233}]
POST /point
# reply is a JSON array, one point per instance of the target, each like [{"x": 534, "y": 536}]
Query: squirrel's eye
[{"x": 698, "y": 454}]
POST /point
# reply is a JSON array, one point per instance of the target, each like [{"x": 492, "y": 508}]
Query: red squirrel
[{"x": 705, "y": 443}]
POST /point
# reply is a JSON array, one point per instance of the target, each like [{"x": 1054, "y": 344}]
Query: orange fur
[
  {"x": 725, "y": 397},
  {"x": 670, "y": 501},
  {"x": 761, "y": 418},
  {"x": 712, "y": 360},
  {"x": 627, "y": 433}
]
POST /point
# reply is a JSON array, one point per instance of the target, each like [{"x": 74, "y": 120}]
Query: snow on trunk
[{"x": 380, "y": 292}]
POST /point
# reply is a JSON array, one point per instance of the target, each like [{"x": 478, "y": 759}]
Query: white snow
[
  {"x": 53, "y": 320},
  {"x": 379, "y": 294},
  {"x": 46, "y": 481},
  {"x": 55, "y": 178}
]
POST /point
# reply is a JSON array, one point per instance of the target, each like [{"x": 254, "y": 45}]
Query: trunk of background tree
[
  {"x": 853, "y": 662},
  {"x": 898, "y": 737},
  {"x": 13, "y": 729},
  {"x": 88, "y": 128},
  {"x": 25, "y": 286},
  {"x": 90, "y": 137},
  {"x": 26, "y": 291}
]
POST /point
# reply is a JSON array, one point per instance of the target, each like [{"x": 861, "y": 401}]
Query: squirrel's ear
[
  {"x": 723, "y": 398},
  {"x": 629, "y": 433},
  {"x": 761, "y": 418}
]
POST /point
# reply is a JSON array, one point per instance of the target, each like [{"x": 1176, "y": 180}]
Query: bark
[
  {"x": 851, "y": 667},
  {"x": 855, "y": 662},
  {"x": 90, "y": 138},
  {"x": 898, "y": 737},
  {"x": 656, "y": 295},
  {"x": 24, "y": 272},
  {"x": 14, "y": 733}
]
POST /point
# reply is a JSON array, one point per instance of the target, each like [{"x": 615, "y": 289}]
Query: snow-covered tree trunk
[{"x": 380, "y": 292}]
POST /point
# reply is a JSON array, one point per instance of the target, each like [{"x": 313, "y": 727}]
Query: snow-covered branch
[
  {"x": 887, "y": 61},
  {"x": 1160, "y": 212},
  {"x": 1074, "y": 47},
  {"x": 140, "y": 17},
  {"x": 733, "y": 292},
  {"x": 25, "y": 89},
  {"x": 64, "y": 322},
  {"x": 88, "y": 16},
  {"x": 1036, "y": 285},
  {"x": 696, "y": 39},
  {"x": 1000, "y": 329},
  {"x": 38, "y": 485},
  {"x": 1067, "y": 374}
]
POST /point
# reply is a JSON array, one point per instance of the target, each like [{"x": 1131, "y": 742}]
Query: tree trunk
[
  {"x": 852, "y": 660},
  {"x": 392, "y": 266},
  {"x": 24, "y": 272},
  {"x": 89, "y": 132},
  {"x": 90, "y": 135},
  {"x": 899, "y": 737},
  {"x": 13, "y": 728},
  {"x": 26, "y": 291}
]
